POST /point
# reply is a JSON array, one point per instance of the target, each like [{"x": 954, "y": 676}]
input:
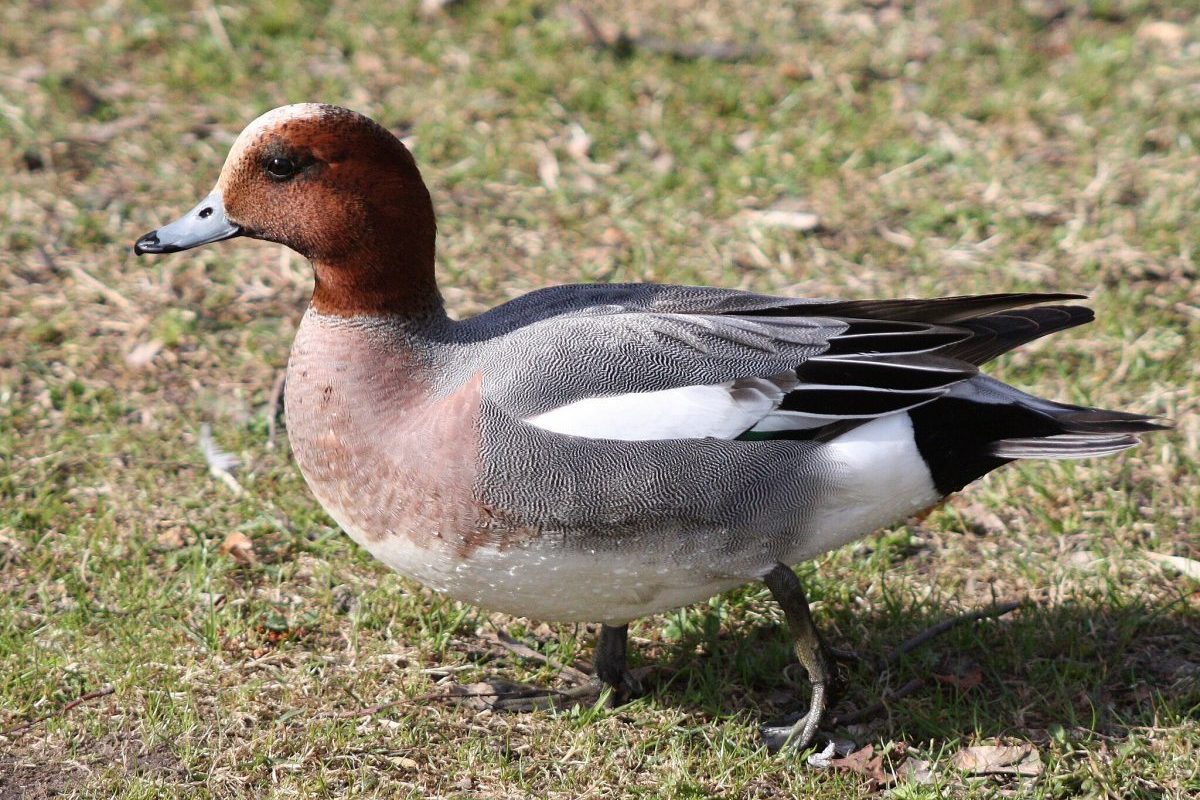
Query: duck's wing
[
  {"x": 717, "y": 364},
  {"x": 610, "y": 298},
  {"x": 770, "y": 433},
  {"x": 595, "y": 299}
]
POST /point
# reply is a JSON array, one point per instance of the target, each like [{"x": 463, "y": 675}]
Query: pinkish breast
[{"x": 395, "y": 467}]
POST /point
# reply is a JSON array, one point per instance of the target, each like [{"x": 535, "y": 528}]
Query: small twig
[
  {"x": 907, "y": 646},
  {"x": 105, "y": 132},
  {"x": 501, "y": 695},
  {"x": 879, "y": 706},
  {"x": 694, "y": 51},
  {"x": 507, "y": 642},
  {"x": 437, "y": 696},
  {"x": 623, "y": 43},
  {"x": 363, "y": 712},
  {"x": 273, "y": 406},
  {"x": 525, "y": 651},
  {"x": 92, "y": 282},
  {"x": 31, "y": 274},
  {"x": 49, "y": 260},
  {"x": 215, "y": 26},
  {"x": 78, "y": 701},
  {"x": 104, "y": 692},
  {"x": 595, "y": 36}
]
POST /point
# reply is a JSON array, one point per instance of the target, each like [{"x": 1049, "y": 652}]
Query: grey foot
[
  {"x": 627, "y": 688},
  {"x": 800, "y": 734},
  {"x": 812, "y": 653}
]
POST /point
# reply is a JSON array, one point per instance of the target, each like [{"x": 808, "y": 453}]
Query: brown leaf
[
  {"x": 1020, "y": 759},
  {"x": 172, "y": 538},
  {"x": 915, "y": 770},
  {"x": 614, "y": 237},
  {"x": 239, "y": 547},
  {"x": 962, "y": 681},
  {"x": 864, "y": 762},
  {"x": 983, "y": 520}
]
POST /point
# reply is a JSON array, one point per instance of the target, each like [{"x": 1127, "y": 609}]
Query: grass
[{"x": 946, "y": 148}]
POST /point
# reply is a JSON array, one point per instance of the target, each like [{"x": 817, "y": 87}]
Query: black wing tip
[
  {"x": 1104, "y": 421},
  {"x": 996, "y": 333},
  {"x": 945, "y": 310}
]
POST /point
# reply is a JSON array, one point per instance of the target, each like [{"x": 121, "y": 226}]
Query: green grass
[{"x": 947, "y": 149}]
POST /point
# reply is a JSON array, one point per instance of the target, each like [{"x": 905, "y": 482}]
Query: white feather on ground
[{"x": 220, "y": 463}]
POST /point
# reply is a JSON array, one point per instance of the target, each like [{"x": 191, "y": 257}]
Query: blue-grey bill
[{"x": 203, "y": 224}]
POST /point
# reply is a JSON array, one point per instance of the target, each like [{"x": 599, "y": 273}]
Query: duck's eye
[{"x": 281, "y": 167}]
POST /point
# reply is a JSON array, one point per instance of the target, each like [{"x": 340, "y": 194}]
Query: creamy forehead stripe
[{"x": 273, "y": 118}]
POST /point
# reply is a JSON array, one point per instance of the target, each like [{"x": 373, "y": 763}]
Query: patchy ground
[{"x": 873, "y": 149}]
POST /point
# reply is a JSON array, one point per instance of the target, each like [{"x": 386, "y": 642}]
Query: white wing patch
[{"x": 720, "y": 411}]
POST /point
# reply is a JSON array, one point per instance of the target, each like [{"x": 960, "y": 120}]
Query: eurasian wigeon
[{"x": 603, "y": 452}]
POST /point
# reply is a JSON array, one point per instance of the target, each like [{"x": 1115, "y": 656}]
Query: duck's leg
[
  {"x": 813, "y": 654},
  {"x": 609, "y": 663}
]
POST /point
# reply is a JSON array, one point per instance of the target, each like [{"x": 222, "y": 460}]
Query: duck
[{"x": 602, "y": 452}]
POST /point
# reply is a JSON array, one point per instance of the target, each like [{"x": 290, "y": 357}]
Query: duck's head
[{"x": 335, "y": 187}]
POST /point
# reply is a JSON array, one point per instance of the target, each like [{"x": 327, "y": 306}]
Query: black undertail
[{"x": 963, "y": 439}]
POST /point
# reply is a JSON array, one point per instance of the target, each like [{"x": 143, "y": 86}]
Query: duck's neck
[
  {"x": 378, "y": 286},
  {"x": 382, "y": 262}
]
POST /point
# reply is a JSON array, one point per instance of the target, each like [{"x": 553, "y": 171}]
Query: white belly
[{"x": 543, "y": 580}]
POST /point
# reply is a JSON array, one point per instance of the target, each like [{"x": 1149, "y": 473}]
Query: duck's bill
[{"x": 203, "y": 224}]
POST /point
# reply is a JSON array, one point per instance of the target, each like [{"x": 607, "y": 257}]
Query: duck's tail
[
  {"x": 1086, "y": 432},
  {"x": 982, "y": 423}
]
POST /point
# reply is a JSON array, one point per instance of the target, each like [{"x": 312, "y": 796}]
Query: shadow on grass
[{"x": 1084, "y": 666}]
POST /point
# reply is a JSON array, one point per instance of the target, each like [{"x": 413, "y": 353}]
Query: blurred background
[{"x": 177, "y": 615}]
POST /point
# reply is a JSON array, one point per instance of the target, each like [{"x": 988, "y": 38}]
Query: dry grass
[{"x": 945, "y": 148}]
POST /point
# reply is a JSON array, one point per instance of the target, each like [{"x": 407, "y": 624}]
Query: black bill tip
[{"x": 149, "y": 243}]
